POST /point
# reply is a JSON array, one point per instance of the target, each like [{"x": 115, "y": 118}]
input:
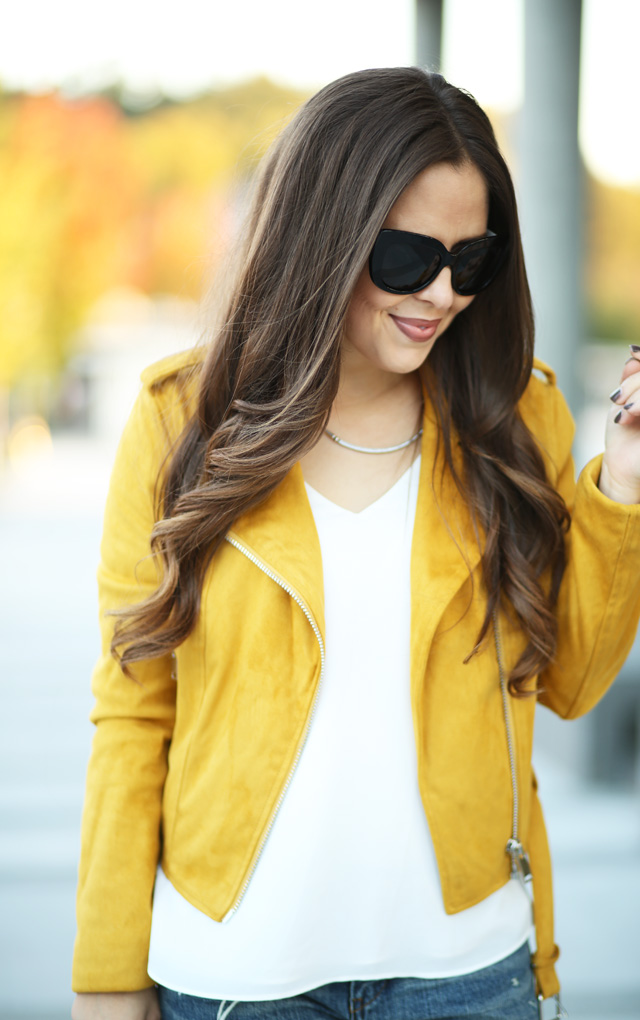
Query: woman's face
[{"x": 395, "y": 332}]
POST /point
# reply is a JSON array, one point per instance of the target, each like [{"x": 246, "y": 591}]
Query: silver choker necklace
[{"x": 368, "y": 449}]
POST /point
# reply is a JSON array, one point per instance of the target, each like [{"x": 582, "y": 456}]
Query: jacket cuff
[
  {"x": 547, "y": 983},
  {"x": 588, "y": 482}
]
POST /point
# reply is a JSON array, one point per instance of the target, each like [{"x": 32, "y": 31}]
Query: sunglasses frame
[{"x": 447, "y": 258}]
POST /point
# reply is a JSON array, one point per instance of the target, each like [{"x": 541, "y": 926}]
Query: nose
[{"x": 439, "y": 292}]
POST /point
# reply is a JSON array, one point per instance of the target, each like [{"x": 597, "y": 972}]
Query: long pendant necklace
[{"x": 368, "y": 449}]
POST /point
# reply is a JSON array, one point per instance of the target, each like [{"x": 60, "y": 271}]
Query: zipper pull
[
  {"x": 520, "y": 866},
  {"x": 551, "y": 1009}
]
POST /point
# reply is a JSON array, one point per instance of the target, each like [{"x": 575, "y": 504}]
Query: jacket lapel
[
  {"x": 444, "y": 549},
  {"x": 282, "y": 533}
]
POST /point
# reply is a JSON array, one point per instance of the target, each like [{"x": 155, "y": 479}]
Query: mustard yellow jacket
[{"x": 189, "y": 764}]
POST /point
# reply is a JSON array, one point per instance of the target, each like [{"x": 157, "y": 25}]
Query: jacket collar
[
  {"x": 445, "y": 546},
  {"x": 444, "y": 549}
]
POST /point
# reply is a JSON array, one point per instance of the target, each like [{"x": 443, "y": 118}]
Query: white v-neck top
[{"x": 347, "y": 886}]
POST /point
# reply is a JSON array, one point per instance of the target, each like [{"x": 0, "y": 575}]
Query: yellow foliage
[
  {"x": 613, "y": 266},
  {"x": 93, "y": 199},
  {"x": 66, "y": 192}
]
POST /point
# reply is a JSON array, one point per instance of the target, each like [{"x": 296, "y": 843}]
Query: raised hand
[{"x": 620, "y": 474}]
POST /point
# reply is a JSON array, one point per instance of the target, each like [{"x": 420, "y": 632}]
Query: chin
[{"x": 408, "y": 360}]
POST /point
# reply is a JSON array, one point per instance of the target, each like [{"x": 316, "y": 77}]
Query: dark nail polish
[
  {"x": 627, "y": 406},
  {"x": 635, "y": 348},
  {"x": 618, "y": 417},
  {"x": 614, "y": 396}
]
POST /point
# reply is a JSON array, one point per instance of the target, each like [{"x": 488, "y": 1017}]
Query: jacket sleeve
[
  {"x": 599, "y": 599},
  {"x": 134, "y": 722}
]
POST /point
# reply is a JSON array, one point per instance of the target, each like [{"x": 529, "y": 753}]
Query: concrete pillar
[
  {"x": 550, "y": 185},
  {"x": 428, "y": 36}
]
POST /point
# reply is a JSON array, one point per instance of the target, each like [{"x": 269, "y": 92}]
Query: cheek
[{"x": 366, "y": 301}]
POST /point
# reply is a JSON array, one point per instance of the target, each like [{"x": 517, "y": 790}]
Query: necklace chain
[{"x": 369, "y": 449}]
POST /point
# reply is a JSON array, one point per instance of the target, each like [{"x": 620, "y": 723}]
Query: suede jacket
[{"x": 191, "y": 759}]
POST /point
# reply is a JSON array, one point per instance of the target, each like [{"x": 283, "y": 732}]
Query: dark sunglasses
[{"x": 403, "y": 263}]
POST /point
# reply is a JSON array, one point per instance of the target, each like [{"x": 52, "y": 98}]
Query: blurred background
[{"x": 128, "y": 136}]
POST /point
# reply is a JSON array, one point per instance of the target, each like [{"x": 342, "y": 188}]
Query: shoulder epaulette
[
  {"x": 160, "y": 371},
  {"x": 544, "y": 373}
]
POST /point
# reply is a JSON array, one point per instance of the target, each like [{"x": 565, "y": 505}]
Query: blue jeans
[{"x": 503, "y": 991}]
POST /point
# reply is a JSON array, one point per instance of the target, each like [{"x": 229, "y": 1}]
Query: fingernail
[
  {"x": 614, "y": 396},
  {"x": 634, "y": 348},
  {"x": 618, "y": 417},
  {"x": 627, "y": 406}
]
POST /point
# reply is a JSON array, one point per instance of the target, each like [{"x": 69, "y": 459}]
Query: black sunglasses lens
[
  {"x": 404, "y": 263},
  {"x": 476, "y": 267},
  {"x": 403, "y": 267}
]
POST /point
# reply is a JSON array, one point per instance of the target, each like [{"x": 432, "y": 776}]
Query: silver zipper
[
  {"x": 520, "y": 867},
  {"x": 316, "y": 630}
]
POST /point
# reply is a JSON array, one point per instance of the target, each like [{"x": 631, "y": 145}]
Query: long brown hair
[{"x": 272, "y": 370}]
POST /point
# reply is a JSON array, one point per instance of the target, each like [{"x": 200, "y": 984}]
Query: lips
[{"x": 416, "y": 329}]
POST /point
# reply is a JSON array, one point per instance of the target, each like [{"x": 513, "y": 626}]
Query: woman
[{"x": 357, "y": 499}]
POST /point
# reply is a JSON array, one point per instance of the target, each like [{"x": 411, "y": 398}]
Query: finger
[
  {"x": 629, "y": 388},
  {"x": 632, "y": 364},
  {"x": 631, "y": 367},
  {"x": 629, "y": 413}
]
